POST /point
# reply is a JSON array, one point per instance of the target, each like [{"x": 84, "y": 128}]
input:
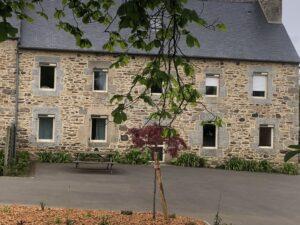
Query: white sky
[{"x": 291, "y": 20}]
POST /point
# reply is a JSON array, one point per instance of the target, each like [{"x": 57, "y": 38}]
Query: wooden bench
[{"x": 94, "y": 158}]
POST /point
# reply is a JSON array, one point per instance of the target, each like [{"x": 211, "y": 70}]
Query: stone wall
[
  {"x": 75, "y": 102},
  {"x": 7, "y": 86}
]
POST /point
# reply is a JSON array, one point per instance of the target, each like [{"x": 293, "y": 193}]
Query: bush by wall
[
  {"x": 54, "y": 157},
  {"x": 189, "y": 160},
  {"x": 239, "y": 164},
  {"x": 133, "y": 157},
  {"x": 19, "y": 167}
]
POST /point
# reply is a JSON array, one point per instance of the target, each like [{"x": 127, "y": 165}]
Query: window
[
  {"x": 156, "y": 89},
  {"x": 98, "y": 129},
  {"x": 155, "y": 23},
  {"x": 100, "y": 80},
  {"x": 46, "y": 125},
  {"x": 260, "y": 84},
  {"x": 47, "y": 76},
  {"x": 160, "y": 153},
  {"x": 212, "y": 85},
  {"x": 266, "y": 136},
  {"x": 209, "y": 136}
]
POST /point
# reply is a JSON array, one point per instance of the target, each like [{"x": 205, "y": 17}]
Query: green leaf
[
  {"x": 191, "y": 41},
  {"x": 290, "y": 155},
  {"x": 221, "y": 27}
]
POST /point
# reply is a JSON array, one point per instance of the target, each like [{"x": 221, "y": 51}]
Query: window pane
[
  {"x": 265, "y": 136},
  {"x": 45, "y": 128},
  {"x": 258, "y": 93},
  {"x": 211, "y": 85},
  {"x": 209, "y": 135},
  {"x": 47, "y": 78},
  {"x": 160, "y": 153},
  {"x": 99, "y": 81},
  {"x": 156, "y": 89},
  {"x": 210, "y": 90},
  {"x": 98, "y": 129}
]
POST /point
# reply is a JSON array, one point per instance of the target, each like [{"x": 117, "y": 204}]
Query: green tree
[{"x": 156, "y": 26}]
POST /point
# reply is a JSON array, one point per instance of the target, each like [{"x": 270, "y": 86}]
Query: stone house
[{"x": 58, "y": 94}]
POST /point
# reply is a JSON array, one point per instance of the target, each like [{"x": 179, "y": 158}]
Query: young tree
[
  {"x": 148, "y": 138},
  {"x": 291, "y": 154}
]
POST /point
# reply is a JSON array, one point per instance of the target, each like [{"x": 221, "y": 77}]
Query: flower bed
[{"x": 12, "y": 215}]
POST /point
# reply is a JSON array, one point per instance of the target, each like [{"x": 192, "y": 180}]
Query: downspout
[{"x": 17, "y": 81}]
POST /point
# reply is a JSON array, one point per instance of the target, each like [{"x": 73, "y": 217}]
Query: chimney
[{"x": 272, "y": 10}]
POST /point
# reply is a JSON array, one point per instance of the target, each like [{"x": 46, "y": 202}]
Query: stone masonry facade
[{"x": 73, "y": 102}]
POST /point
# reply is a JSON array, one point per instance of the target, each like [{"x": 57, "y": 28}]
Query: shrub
[
  {"x": 189, "y": 160},
  {"x": 265, "y": 166},
  {"x": 19, "y": 167},
  {"x": 235, "y": 163},
  {"x": 138, "y": 157},
  {"x": 134, "y": 157},
  {"x": 238, "y": 164},
  {"x": 289, "y": 168},
  {"x": 54, "y": 157}
]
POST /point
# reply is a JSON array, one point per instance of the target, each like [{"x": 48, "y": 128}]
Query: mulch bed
[{"x": 25, "y": 215}]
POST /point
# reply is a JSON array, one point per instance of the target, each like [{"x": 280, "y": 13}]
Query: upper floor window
[
  {"x": 100, "y": 80},
  {"x": 210, "y": 134},
  {"x": 260, "y": 83},
  {"x": 155, "y": 23},
  {"x": 46, "y": 128},
  {"x": 266, "y": 135},
  {"x": 47, "y": 76},
  {"x": 99, "y": 129},
  {"x": 212, "y": 85}
]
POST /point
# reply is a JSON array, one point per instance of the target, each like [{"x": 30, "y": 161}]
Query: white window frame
[
  {"x": 91, "y": 129},
  {"x": 47, "y": 65},
  {"x": 266, "y": 75},
  {"x": 216, "y": 138},
  {"x": 272, "y": 136},
  {"x": 53, "y": 128},
  {"x": 106, "y": 80},
  {"x": 218, "y": 86}
]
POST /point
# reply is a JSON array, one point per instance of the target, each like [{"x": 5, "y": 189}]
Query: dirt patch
[{"x": 25, "y": 215}]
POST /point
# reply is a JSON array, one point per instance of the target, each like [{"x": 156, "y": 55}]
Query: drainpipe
[{"x": 17, "y": 81}]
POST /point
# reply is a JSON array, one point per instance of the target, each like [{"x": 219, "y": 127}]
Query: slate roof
[{"x": 248, "y": 37}]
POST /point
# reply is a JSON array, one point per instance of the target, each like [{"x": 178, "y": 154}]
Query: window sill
[
  {"x": 211, "y": 96},
  {"x": 265, "y": 147},
  {"x": 47, "y": 89},
  {"x": 212, "y": 148},
  {"x": 45, "y": 141},
  {"x": 100, "y": 91},
  {"x": 93, "y": 141}
]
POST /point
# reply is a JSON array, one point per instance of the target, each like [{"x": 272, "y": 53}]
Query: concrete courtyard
[{"x": 247, "y": 198}]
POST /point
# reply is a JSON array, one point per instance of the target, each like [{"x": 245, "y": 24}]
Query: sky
[{"x": 291, "y": 20}]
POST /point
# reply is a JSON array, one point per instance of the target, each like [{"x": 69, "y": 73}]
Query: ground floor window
[
  {"x": 160, "y": 153},
  {"x": 99, "y": 129},
  {"x": 46, "y": 127},
  {"x": 266, "y": 136},
  {"x": 209, "y": 136}
]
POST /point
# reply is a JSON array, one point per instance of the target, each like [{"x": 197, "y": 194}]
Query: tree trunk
[
  {"x": 161, "y": 188},
  {"x": 154, "y": 195}
]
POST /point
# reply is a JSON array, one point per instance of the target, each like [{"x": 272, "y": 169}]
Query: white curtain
[
  {"x": 100, "y": 81},
  {"x": 98, "y": 129},
  {"x": 259, "y": 83},
  {"x": 212, "y": 81}
]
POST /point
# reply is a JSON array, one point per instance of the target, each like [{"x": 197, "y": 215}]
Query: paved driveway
[{"x": 247, "y": 198}]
